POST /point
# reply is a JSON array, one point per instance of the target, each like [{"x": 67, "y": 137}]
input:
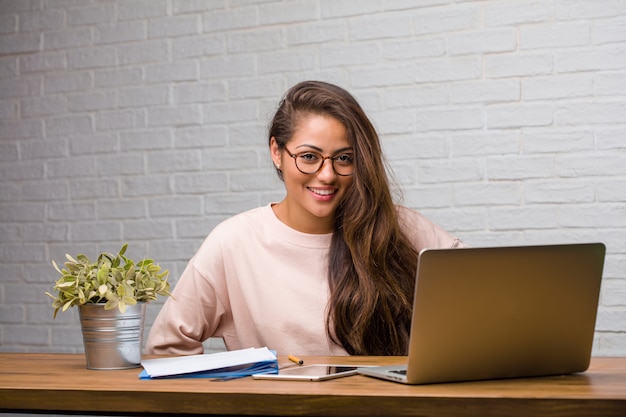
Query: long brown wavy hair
[{"x": 372, "y": 264}]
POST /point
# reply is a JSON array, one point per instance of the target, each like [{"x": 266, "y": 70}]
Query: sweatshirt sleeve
[{"x": 190, "y": 316}]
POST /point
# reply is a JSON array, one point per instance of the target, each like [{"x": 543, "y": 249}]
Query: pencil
[{"x": 295, "y": 360}]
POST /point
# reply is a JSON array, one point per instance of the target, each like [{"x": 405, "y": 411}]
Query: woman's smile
[{"x": 325, "y": 193}]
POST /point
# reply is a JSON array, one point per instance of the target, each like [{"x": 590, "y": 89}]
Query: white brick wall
[{"x": 144, "y": 122}]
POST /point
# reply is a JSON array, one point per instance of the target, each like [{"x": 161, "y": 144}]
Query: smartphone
[{"x": 310, "y": 373}]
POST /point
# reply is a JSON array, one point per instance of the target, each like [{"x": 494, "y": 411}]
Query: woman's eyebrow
[{"x": 320, "y": 150}]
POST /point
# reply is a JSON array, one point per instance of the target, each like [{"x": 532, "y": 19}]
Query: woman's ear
[{"x": 275, "y": 152}]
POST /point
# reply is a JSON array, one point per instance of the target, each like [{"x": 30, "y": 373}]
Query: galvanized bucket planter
[{"x": 112, "y": 339}]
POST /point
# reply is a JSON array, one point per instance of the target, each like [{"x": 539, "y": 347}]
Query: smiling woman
[{"x": 330, "y": 269}]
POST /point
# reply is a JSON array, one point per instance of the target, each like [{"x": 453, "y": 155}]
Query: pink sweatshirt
[{"x": 256, "y": 282}]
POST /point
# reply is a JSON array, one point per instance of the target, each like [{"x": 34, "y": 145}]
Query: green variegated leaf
[
  {"x": 83, "y": 259},
  {"x": 56, "y": 267},
  {"x": 102, "y": 289},
  {"x": 144, "y": 263},
  {"x": 111, "y": 304},
  {"x": 116, "y": 276},
  {"x": 72, "y": 260},
  {"x": 102, "y": 274},
  {"x": 71, "y": 267}
]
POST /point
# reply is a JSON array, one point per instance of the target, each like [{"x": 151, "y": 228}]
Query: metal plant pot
[{"x": 113, "y": 340}]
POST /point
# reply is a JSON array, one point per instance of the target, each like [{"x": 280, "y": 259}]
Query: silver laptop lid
[{"x": 485, "y": 313}]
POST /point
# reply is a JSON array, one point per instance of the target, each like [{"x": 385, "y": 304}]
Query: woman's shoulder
[
  {"x": 412, "y": 217},
  {"x": 235, "y": 233},
  {"x": 242, "y": 221},
  {"x": 423, "y": 232}
]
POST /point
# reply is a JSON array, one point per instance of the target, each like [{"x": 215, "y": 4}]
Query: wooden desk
[{"x": 57, "y": 383}]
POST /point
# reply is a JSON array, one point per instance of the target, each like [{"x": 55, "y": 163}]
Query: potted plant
[{"x": 111, "y": 294}]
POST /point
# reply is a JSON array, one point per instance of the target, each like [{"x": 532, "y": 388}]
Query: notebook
[
  {"x": 222, "y": 366},
  {"x": 501, "y": 312}
]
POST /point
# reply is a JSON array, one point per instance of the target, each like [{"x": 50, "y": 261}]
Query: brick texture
[{"x": 145, "y": 122}]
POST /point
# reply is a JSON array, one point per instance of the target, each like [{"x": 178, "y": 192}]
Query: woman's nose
[{"x": 327, "y": 170}]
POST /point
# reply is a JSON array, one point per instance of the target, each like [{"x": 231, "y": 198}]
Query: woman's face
[{"x": 312, "y": 199}]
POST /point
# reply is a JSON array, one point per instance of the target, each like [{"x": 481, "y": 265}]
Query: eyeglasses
[{"x": 310, "y": 162}]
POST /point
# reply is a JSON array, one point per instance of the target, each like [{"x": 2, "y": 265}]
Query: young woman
[{"x": 330, "y": 269}]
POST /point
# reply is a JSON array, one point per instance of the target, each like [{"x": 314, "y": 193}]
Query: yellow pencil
[{"x": 295, "y": 360}]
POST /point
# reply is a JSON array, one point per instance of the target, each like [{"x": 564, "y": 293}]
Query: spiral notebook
[{"x": 505, "y": 312}]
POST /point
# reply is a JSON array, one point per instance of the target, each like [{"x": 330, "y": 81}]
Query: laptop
[{"x": 501, "y": 312}]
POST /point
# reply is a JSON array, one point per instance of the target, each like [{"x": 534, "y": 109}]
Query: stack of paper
[{"x": 231, "y": 364}]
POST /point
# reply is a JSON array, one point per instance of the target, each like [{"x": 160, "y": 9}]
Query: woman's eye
[
  {"x": 309, "y": 157},
  {"x": 344, "y": 159}
]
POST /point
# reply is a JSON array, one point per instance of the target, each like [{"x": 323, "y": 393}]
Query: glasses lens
[
  {"x": 343, "y": 164},
  {"x": 309, "y": 162}
]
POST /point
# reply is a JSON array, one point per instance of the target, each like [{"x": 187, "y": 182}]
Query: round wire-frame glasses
[{"x": 311, "y": 162}]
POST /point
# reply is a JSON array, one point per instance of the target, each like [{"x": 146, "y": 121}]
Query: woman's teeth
[{"x": 322, "y": 192}]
